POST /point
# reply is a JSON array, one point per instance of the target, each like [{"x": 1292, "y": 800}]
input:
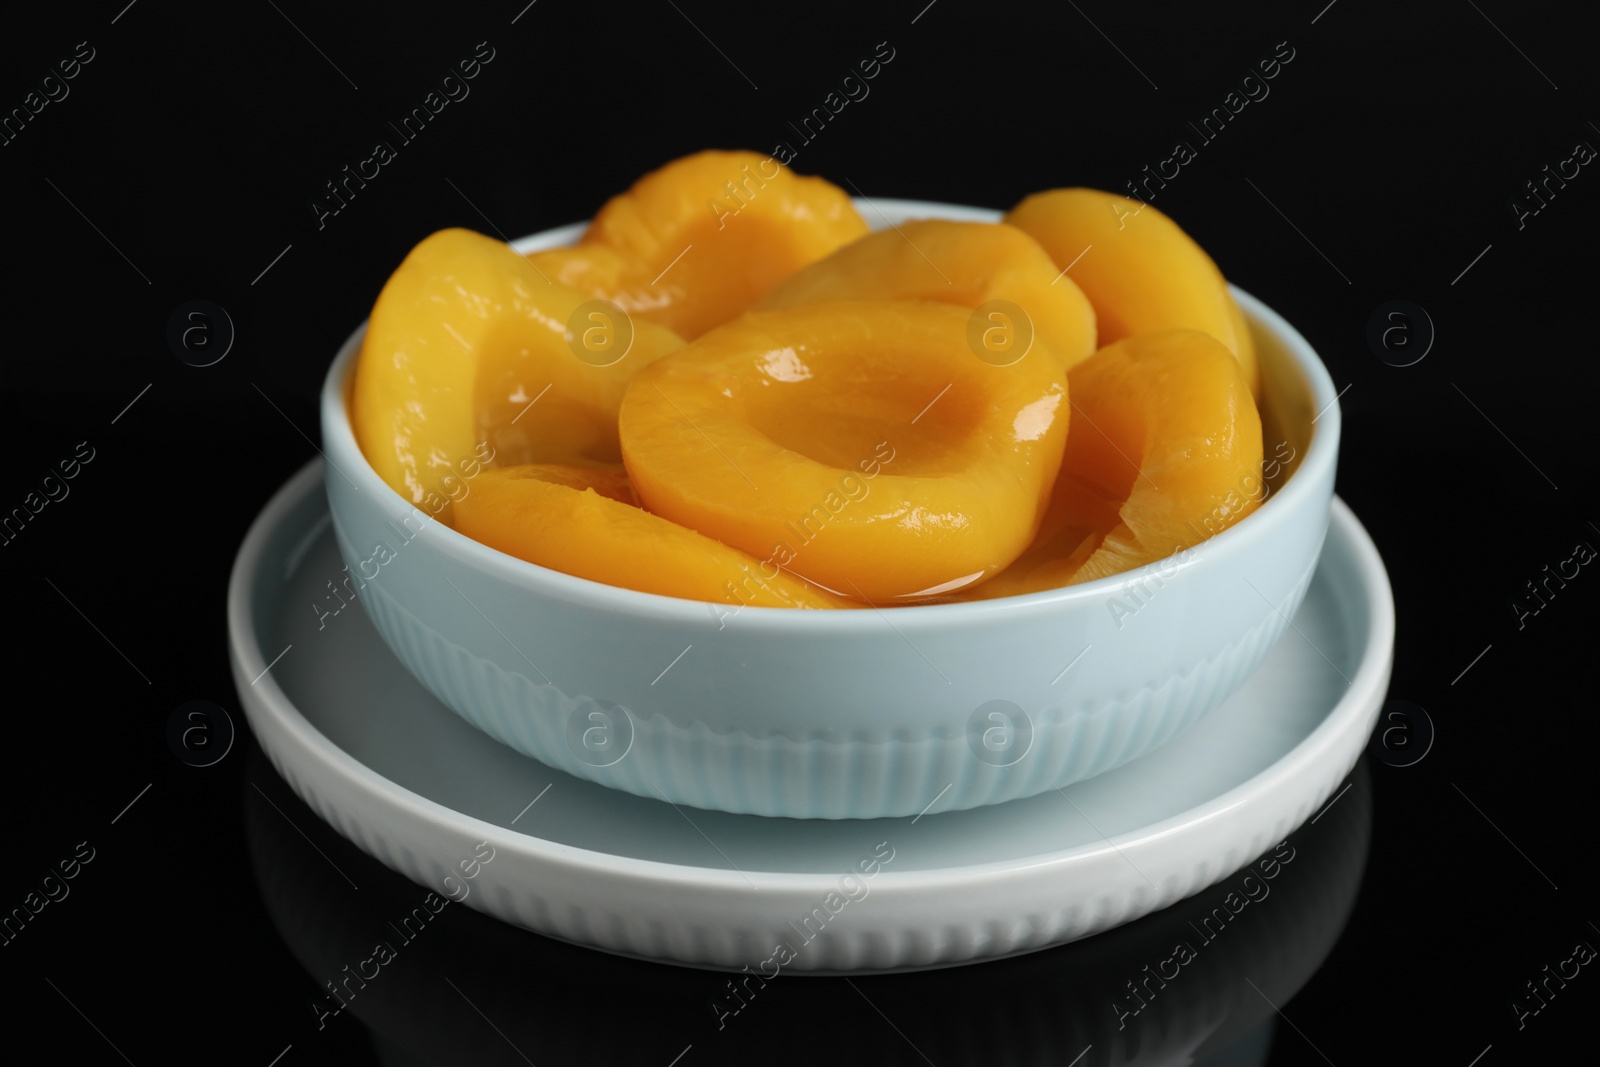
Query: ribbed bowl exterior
[{"x": 795, "y": 775}]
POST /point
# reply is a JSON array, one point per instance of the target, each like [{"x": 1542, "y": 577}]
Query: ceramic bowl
[{"x": 849, "y": 714}]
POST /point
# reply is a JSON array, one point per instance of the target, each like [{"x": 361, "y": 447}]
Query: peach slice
[
  {"x": 1164, "y": 451},
  {"x": 697, "y": 242},
  {"x": 573, "y": 519},
  {"x": 470, "y": 353},
  {"x": 1139, "y": 270},
  {"x": 862, "y": 445},
  {"x": 967, "y": 263}
]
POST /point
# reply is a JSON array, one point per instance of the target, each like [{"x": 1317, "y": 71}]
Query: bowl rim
[{"x": 1319, "y": 457}]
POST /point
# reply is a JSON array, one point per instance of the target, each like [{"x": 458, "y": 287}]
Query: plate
[
  {"x": 457, "y": 969},
  {"x": 411, "y": 784}
]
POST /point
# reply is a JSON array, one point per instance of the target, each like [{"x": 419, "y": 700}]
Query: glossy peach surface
[
  {"x": 469, "y": 357},
  {"x": 862, "y": 445},
  {"x": 973, "y": 264},
  {"x": 1137, "y": 267},
  {"x": 693, "y": 244},
  {"x": 579, "y": 522}
]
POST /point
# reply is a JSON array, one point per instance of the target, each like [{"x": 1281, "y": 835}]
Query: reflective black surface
[
  {"x": 160, "y": 910},
  {"x": 1197, "y": 981}
]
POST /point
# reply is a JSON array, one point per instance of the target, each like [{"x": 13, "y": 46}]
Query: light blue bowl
[{"x": 858, "y": 714}]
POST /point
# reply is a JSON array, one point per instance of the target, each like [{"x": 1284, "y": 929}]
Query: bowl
[{"x": 842, "y": 714}]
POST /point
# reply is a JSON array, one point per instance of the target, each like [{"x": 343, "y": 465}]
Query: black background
[{"x": 183, "y": 162}]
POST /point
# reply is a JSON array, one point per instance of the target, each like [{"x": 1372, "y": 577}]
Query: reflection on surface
[{"x": 437, "y": 983}]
